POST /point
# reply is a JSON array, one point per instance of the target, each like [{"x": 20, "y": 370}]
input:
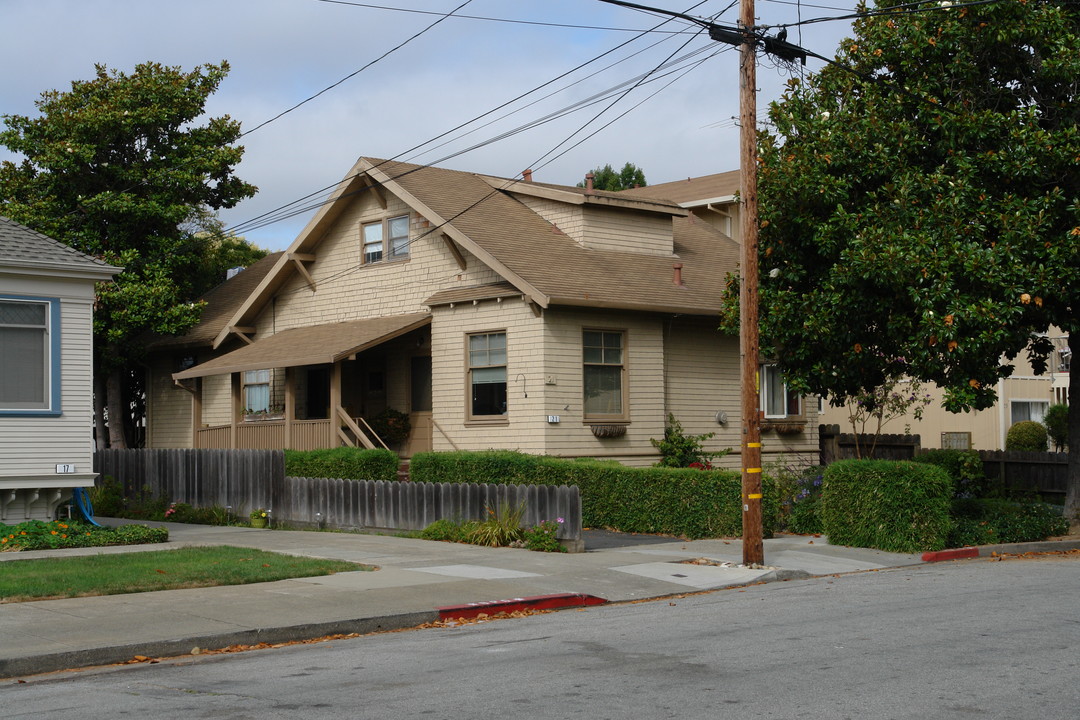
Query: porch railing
[{"x": 274, "y": 435}]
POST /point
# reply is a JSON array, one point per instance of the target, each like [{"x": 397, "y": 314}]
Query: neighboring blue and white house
[{"x": 46, "y": 371}]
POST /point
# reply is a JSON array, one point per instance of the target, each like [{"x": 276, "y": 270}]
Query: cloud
[{"x": 283, "y": 51}]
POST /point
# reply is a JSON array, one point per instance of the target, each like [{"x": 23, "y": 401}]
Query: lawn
[{"x": 193, "y": 567}]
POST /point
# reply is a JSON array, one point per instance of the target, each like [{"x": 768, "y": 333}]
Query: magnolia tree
[
  {"x": 119, "y": 167},
  {"x": 919, "y": 205}
]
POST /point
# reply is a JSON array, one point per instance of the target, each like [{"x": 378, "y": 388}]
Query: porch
[{"x": 319, "y": 387}]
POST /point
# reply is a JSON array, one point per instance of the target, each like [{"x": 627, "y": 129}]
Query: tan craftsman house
[{"x": 495, "y": 313}]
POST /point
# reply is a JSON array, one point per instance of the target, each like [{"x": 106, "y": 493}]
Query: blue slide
[{"x": 81, "y": 500}]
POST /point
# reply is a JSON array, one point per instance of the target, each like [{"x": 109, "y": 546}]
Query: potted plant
[
  {"x": 259, "y": 518},
  {"x": 274, "y": 412}
]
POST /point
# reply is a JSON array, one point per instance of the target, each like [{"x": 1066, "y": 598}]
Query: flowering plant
[
  {"x": 258, "y": 513},
  {"x": 543, "y": 537}
]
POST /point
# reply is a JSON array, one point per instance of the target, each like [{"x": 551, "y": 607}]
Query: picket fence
[{"x": 243, "y": 480}]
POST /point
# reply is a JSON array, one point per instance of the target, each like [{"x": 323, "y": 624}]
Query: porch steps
[{"x": 403, "y": 471}]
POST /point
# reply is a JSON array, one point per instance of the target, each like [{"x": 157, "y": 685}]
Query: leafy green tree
[
  {"x": 223, "y": 253},
  {"x": 1057, "y": 426},
  {"x": 120, "y": 168},
  {"x": 606, "y": 178},
  {"x": 920, "y": 207}
]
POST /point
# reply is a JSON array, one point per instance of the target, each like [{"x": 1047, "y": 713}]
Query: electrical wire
[
  {"x": 290, "y": 210},
  {"x": 502, "y": 20},
  {"x": 386, "y": 54}
]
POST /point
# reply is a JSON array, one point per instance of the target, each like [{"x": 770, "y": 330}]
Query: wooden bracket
[
  {"x": 455, "y": 251},
  {"x": 298, "y": 260}
]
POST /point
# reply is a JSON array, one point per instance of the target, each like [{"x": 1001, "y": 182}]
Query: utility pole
[
  {"x": 753, "y": 550},
  {"x": 747, "y": 37}
]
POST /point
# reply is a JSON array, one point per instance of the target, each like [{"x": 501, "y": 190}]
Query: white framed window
[
  {"x": 29, "y": 356},
  {"x": 776, "y": 399},
  {"x": 1021, "y": 410},
  {"x": 373, "y": 242},
  {"x": 256, "y": 391},
  {"x": 603, "y": 355},
  {"x": 386, "y": 239},
  {"x": 487, "y": 375}
]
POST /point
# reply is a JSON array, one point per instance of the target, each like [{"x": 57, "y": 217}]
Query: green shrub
[
  {"x": 447, "y": 530},
  {"x": 544, "y": 537},
  {"x": 965, "y": 467},
  {"x": 993, "y": 521},
  {"x": 391, "y": 425},
  {"x": 687, "y": 503},
  {"x": 893, "y": 506},
  {"x": 1057, "y": 426},
  {"x": 501, "y": 527},
  {"x": 679, "y": 450},
  {"x": 1026, "y": 436},
  {"x": 342, "y": 463}
]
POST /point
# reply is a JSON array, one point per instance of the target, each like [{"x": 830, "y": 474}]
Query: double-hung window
[
  {"x": 487, "y": 375},
  {"x": 387, "y": 239},
  {"x": 29, "y": 355},
  {"x": 777, "y": 400},
  {"x": 256, "y": 391},
  {"x": 604, "y": 367}
]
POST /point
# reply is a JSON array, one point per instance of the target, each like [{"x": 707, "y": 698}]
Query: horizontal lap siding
[
  {"x": 169, "y": 407},
  {"x": 703, "y": 377},
  {"x": 348, "y": 290},
  {"x": 619, "y": 230},
  {"x": 644, "y": 373},
  {"x": 35, "y": 445},
  {"x": 526, "y": 416}
]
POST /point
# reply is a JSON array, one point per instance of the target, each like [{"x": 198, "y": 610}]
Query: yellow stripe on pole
[
  {"x": 752, "y": 470},
  {"x": 750, "y": 445},
  {"x": 754, "y": 496}
]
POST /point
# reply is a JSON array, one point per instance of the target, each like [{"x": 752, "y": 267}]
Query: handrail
[
  {"x": 436, "y": 426},
  {"x": 360, "y": 435}
]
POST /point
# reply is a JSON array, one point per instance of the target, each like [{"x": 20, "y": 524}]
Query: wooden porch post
[
  {"x": 335, "y": 403},
  {"x": 196, "y": 412},
  {"x": 237, "y": 409},
  {"x": 290, "y": 405}
]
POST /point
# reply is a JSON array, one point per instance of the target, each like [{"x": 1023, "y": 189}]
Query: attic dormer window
[{"x": 386, "y": 240}]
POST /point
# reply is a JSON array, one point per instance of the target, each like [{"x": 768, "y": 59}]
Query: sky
[{"x": 676, "y": 123}]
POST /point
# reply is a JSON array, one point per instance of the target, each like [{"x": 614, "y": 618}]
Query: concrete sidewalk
[{"x": 414, "y": 579}]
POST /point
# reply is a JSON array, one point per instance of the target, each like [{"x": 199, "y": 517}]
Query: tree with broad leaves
[
  {"x": 920, "y": 205},
  {"x": 120, "y": 168},
  {"x": 606, "y": 178}
]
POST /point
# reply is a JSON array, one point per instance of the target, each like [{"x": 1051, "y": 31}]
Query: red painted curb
[
  {"x": 538, "y": 602},
  {"x": 954, "y": 554}
]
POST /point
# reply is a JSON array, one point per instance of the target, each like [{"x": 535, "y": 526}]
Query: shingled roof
[
  {"x": 21, "y": 247},
  {"x": 562, "y": 271},
  {"x": 691, "y": 191},
  {"x": 482, "y": 214},
  {"x": 221, "y": 303}
]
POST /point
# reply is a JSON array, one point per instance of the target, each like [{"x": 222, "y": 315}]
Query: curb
[
  {"x": 954, "y": 554},
  {"x": 108, "y": 655},
  {"x": 1009, "y": 548},
  {"x": 539, "y": 602}
]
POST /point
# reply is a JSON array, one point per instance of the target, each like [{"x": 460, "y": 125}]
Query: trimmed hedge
[
  {"x": 343, "y": 463},
  {"x": 990, "y": 522},
  {"x": 888, "y": 505},
  {"x": 688, "y": 503},
  {"x": 965, "y": 467},
  {"x": 1026, "y": 436}
]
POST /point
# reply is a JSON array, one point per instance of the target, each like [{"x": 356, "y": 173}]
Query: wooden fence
[
  {"x": 247, "y": 479},
  {"x": 835, "y": 445},
  {"x": 1045, "y": 473}
]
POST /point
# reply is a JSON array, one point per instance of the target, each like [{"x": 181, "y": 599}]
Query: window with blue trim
[{"x": 29, "y": 355}]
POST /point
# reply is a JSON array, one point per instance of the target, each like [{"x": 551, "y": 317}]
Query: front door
[{"x": 419, "y": 405}]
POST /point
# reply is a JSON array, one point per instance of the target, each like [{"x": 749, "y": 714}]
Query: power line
[
  {"x": 284, "y": 212},
  {"x": 502, "y": 20},
  {"x": 357, "y": 72}
]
